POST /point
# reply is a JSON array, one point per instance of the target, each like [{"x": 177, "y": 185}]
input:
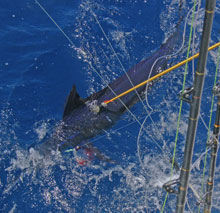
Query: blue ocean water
[{"x": 38, "y": 67}]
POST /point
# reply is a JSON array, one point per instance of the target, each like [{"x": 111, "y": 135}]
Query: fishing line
[
  {"x": 116, "y": 130},
  {"x": 217, "y": 10},
  {"x": 105, "y": 135},
  {"x": 48, "y": 15},
  {"x": 199, "y": 158},
  {"x": 203, "y": 121},
  {"x": 115, "y": 54},
  {"x": 194, "y": 36},
  {"x": 187, "y": 202}
]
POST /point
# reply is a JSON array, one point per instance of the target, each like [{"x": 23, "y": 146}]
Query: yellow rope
[{"x": 160, "y": 74}]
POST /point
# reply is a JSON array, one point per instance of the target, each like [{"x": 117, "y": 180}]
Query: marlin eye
[{"x": 77, "y": 148}]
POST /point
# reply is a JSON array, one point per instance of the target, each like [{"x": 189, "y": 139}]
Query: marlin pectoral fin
[
  {"x": 73, "y": 102},
  {"x": 99, "y": 155}
]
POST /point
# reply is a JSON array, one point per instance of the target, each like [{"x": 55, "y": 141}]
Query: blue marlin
[{"x": 85, "y": 118}]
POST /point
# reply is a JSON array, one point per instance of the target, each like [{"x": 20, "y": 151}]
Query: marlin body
[{"x": 86, "y": 118}]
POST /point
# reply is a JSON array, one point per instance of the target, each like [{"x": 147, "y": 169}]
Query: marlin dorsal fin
[{"x": 73, "y": 102}]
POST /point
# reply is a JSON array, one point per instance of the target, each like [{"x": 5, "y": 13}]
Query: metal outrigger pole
[
  {"x": 195, "y": 106},
  {"x": 214, "y": 143}
]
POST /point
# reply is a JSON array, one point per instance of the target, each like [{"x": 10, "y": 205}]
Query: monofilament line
[
  {"x": 113, "y": 50},
  {"x": 42, "y": 8}
]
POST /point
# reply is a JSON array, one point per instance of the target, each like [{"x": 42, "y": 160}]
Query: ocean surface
[{"x": 39, "y": 64}]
